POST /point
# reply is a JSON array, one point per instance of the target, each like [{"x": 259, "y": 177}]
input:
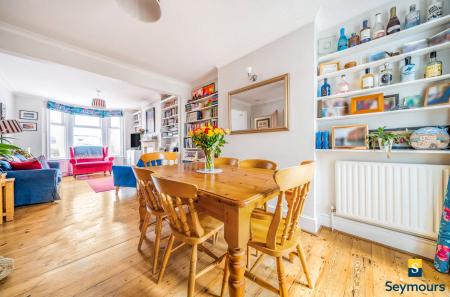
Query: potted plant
[
  {"x": 383, "y": 138},
  {"x": 7, "y": 150},
  {"x": 210, "y": 139}
]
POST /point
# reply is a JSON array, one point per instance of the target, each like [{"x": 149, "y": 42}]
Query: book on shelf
[
  {"x": 202, "y": 114},
  {"x": 170, "y": 112}
]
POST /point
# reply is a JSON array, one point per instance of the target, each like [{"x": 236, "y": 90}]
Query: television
[{"x": 135, "y": 140}]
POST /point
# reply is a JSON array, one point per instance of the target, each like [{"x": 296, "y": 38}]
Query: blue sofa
[{"x": 36, "y": 186}]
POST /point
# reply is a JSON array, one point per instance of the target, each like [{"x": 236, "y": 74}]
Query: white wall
[
  {"x": 7, "y": 98},
  {"x": 36, "y": 140},
  {"x": 293, "y": 54}
]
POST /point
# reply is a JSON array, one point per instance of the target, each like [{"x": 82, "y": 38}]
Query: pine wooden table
[
  {"x": 7, "y": 199},
  {"x": 229, "y": 196}
]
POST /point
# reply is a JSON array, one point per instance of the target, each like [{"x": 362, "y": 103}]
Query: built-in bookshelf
[
  {"x": 170, "y": 123},
  {"x": 362, "y": 57},
  {"x": 137, "y": 121},
  {"x": 200, "y": 110}
]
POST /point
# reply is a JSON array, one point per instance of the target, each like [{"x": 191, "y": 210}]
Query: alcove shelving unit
[
  {"x": 170, "y": 123},
  {"x": 433, "y": 115},
  {"x": 199, "y": 111}
]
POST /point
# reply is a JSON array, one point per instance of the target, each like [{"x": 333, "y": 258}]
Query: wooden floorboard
[{"x": 86, "y": 245}]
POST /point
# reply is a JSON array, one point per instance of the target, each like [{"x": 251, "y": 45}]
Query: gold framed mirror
[{"x": 260, "y": 107}]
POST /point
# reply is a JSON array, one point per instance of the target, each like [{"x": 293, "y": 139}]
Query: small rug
[{"x": 103, "y": 184}]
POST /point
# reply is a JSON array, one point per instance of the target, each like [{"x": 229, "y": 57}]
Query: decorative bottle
[
  {"x": 354, "y": 40},
  {"x": 385, "y": 74},
  {"x": 413, "y": 17},
  {"x": 378, "y": 28},
  {"x": 408, "y": 71},
  {"x": 365, "y": 33},
  {"x": 343, "y": 41},
  {"x": 343, "y": 86},
  {"x": 367, "y": 80},
  {"x": 394, "y": 23},
  {"x": 434, "y": 10},
  {"x": 325, "y": 89},
  {"x": 434, "y": 67}
]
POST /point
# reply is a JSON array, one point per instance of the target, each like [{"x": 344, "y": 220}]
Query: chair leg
[
  {"x": 192, "y": 271},
  {"x": 166, "y": 257},
  {"x": 144, "y": 229},
  {"x": 281, "y": 277},
  {"x": 248, "y": 257},
  {"x": 117, "y": 190},
  {"x": 301, "y": 255},
  {"x": 226, "y": 275},
  {"x": 158, "y": 228}
]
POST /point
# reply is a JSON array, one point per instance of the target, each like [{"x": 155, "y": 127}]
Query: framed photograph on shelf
[
  {"x": 437, "y": 94},
  {"x": 28, "y": 126},
  {"x": 350, "y": 137},
  {"x": 415, "y": 101},
  {"x": 367, "y": 104},
  {"x": 28, "y": 115},
  {"x": 330, "y": 67},
  {"x": 333, "y": 108},
  {"x": 391, "y": 102},
  {"x": 262, "y": 122}
]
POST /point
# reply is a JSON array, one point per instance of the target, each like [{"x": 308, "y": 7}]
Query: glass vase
[{"x": 209, "y": 160}]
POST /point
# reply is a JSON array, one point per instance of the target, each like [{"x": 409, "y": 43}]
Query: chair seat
[
  {"x": 260, "y": 222},
  {"x": 209, "y": 224}
]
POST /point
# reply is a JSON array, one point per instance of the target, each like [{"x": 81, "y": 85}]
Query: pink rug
[{"x": 103, "y": 184}]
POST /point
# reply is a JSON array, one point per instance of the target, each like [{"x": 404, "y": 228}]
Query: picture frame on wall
[
  {"x": 28, "y": 115},
  {"x": 28, "y": 126},
  {"x": 391, "y": 102},
  {"x": 350, "y": 137},
  {"x": 150, "y": 120},
  {"x": 367, "y": 104},
  {"x": 438, "y": 94}
]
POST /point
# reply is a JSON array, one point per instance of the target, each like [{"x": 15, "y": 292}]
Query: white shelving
[
  {"x": 386, "y": 88},
  {"x": 203, "y": 108},
  {"x": 376, "y": 114},
  {"x": 169, "y": 107},
  {"x": 368, "y": 46},
  {"x": 400, "y": 57},
  {"x": 168, "y": 141},
  {"x": 394, "y": 151},
  {"x": 202, "y": 120},
  {"x": 203, "y": 98}
]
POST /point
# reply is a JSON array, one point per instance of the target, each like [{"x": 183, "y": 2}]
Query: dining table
[{"x": 229, "y": 196}]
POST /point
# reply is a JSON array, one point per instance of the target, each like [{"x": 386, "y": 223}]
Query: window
[
  {"x": 87, "y": 130},
  {"x": 57, "y": 135},
  {"x": 115, "y": 136}
]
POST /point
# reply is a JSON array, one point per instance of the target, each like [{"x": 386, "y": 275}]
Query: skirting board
[{"x": 405, "y": 242}]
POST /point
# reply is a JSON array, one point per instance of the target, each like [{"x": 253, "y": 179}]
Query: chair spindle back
[
  {"x": 177, "y": 200},
  {"x": 258, "y": 163},
  {"x": 147, "y": 189}
]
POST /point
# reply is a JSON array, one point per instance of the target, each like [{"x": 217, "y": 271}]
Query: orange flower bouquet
[{"x": 210, "y": 139}]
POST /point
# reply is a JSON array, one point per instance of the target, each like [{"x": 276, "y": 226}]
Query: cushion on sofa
[
  {"x": 26, "y": 165},
  {"x": 4, "y": 165},
  {"x": 43, "y": 160}
]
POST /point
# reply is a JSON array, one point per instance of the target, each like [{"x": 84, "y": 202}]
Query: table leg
[
  {"x": 9, "y": 201},
  {"x": 237, "y": 222}
]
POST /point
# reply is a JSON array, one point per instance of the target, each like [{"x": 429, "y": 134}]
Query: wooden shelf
[
  {"x": 385, "y": 88},
  {"x": 203, "y": 98},
  {"x": 376, "y": 114},
  {"x": 368, "y": 46},
  {"x": 361, "y": 67},
  {"x": 394, "y": 151},
  {"x": 203, "y": 108}
]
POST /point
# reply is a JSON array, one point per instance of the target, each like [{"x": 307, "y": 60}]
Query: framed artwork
[
  {"x": 437, "y": 94},
  {"x": 333, "y": 107},
  {"x": 209, "y": 89},
  {"x": 325, "y": 68},
  {"x": 412, "y": 102},
  {"x": 28, "y": 115},
  {"x": 28, "y": 126},
  {"x": 327, "y": 45},
  {"x": 391, "y": 102},
  {"x": 150, "y": 120},
  {"x": 350, "y": 137},
  {"x": 367, "y": 104},
  {"x": 263, "y": 122}
]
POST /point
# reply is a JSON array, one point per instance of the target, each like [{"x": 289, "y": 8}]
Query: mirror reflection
[{"x": 261, "y": 107}]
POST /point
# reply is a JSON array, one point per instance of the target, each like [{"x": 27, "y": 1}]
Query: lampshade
[
  {"x": 9, "y": 127},
  {"x": 145, "y": 10}
]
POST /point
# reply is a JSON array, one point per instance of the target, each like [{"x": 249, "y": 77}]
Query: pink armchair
[{"x": 90, "y": 159}]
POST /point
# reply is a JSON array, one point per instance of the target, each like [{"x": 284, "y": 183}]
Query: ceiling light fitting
[
  {"x": 251, "y": 76},
  {"x": 148, "y": 11}
]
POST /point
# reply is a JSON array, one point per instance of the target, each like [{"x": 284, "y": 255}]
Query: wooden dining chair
[
  {"x": 153, "y": 208},
  {"x": 278, "y": 236},
  {"x": 187, "y": 225},
  {"x": 156, "y": 158},
  {"x": 258, "y": 163},
  {"x": 226, "y": 161}
]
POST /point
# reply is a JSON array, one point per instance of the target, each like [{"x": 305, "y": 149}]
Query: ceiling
[
  {"x": 190, "y": 40},
  {"x": 70, "y": 85}
]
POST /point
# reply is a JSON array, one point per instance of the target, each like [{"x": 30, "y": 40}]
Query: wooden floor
[{"x": 85, "y": 245}]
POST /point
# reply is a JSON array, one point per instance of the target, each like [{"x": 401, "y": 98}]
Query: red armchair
[{"x": 90, "y": 159}]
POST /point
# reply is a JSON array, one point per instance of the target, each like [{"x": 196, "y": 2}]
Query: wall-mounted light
[{"x": 251, "y": 75}]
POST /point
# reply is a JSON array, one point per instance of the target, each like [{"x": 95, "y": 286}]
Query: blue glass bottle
[
  {"x": 343, "y": 40},
  {"x": 325, "y": 89},
  {"x": 325, "y": 140}
]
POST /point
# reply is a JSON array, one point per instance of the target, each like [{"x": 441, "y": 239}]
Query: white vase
[{"x": 385, "y": 146}]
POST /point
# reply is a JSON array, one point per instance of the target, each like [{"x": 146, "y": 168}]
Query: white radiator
[{"x": 402, "y": 197}]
